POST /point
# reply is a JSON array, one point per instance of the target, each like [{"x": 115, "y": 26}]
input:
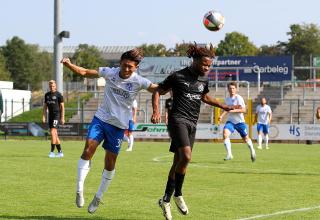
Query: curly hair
[
  {"x": 196, "y": 51},
  {"x": 135, "y": 55}
]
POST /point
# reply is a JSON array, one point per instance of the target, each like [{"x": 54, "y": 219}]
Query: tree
[
  {"x": 180, "y": 50},
  {"x": 4, "y": 73},
  {"x": 272, "y": 50},
  {"x": 87, "y": 57},
  {"x": 236, "y": 44},
  {"x": 24, "y": 63},
  {"x": 304, "y": 40},
  {"x": 154, "y": 50}
]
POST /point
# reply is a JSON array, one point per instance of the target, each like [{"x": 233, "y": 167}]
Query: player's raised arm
[{"x": 90, "y": 73}]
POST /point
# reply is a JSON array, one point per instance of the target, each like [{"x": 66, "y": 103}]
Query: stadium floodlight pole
[{"x": 57, "y": 45}]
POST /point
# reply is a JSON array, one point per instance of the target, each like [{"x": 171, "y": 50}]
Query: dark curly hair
[
  {"x": 133, "y": 55},
  {"x": 196, "y": 51}
]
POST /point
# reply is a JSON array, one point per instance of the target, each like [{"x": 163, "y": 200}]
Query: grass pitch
[{"x": 278, "y": 185}]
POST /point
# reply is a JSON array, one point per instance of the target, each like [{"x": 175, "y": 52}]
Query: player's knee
[
  {"x": 186, "y": 158},
  {"x": 88, "y": 151}
]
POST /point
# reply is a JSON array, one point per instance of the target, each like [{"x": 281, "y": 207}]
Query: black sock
[
  {"x": 58, "y": 148},
  {"x": 169, "y": 190},
  {"x": 179, "y": 178},
  {"x": 52, "y": 147}
]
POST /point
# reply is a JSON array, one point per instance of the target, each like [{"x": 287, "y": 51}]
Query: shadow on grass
[
  {"x": 272, "y": 173},
  {"x": 58, "y": 218}
]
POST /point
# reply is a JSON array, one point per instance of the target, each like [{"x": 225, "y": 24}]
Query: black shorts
[
  {"x": 54, "y": 121},
  {"x": 182, "y": 134}
]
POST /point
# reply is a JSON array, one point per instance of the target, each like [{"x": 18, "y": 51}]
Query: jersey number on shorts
[
  {"x": 119, "y": 143},
  {"x": 55, "y": 123}
]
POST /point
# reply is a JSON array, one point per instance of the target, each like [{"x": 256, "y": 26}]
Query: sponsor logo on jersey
[
  {"x": 129, "y": 86},
  {"x": 200, "y": 88},
  {"x": 193, "y": 96},
  {"x": 121, "y": 92}
]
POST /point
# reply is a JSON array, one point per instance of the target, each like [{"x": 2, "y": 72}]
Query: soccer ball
[{"x": 213, "y": 20}]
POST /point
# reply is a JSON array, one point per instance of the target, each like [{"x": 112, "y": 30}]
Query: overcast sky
[{"x": 112, "y": 23}]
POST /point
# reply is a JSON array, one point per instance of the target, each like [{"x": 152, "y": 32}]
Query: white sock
[
  {"x": 227, "y": 145},
  {"x": 267, "y": 140},
  {"x": 83, "y": 170},
  {"x": 131, "y": 140},
  {"x": 125, "y": 138},
  {"x": 250, "y": 145},
  {"x": 105, "y": 182},
  {"x": 259, "y": 140}
]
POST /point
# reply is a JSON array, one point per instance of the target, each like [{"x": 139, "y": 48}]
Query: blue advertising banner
[{"x": 272, "y": 68}]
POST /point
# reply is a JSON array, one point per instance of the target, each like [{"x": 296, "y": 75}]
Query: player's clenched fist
[{"x": 65, "y": 60}]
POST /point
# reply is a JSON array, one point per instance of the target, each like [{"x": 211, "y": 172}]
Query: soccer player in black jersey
[
  {"x": 189, "y": 87},
  {"x": 53, "y": 101}
]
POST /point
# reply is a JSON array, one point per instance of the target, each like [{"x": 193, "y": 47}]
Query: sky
[{"x": 132, "y": 23}]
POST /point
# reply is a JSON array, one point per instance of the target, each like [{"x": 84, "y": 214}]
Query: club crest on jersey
[
  {"x": 200, "y": 88},
  {"x": 129, "y": 86}
]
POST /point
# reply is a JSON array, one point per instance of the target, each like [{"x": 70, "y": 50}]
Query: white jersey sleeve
[
  {"x": 106, "y": 72},
  {"x": 144, "y": 82}
]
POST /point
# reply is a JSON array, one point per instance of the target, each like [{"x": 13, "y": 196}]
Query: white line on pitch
[{"x": 281, "y": 213}]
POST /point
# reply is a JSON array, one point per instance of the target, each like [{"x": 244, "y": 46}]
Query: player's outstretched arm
[
  {"x": 90, "y": 73},
  {"x": 152, "y": 88},
  {"x": 221, "y": 116},
  {"x": 156, "y": 116},
  {"x": 214, "y": 102}
]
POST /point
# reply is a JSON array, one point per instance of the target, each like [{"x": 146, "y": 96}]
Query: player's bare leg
[
  {"x": 57, "y": 143},
  {"x": 53, "y": 142}
]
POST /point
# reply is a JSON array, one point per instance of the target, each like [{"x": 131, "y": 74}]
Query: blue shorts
[
  {"x": 112, "y": 136},
  {"x": 262, "y": 127},
  {"x": 131, "y": 125},
  {"x": 240, "y": 127}
]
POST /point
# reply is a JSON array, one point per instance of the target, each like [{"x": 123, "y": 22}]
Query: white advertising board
[{"x": 209, "y": 131}]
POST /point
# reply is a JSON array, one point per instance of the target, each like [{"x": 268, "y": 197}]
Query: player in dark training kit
[
  {"x": 189, "y": 87},
  {"x": 53, "y": 101}
]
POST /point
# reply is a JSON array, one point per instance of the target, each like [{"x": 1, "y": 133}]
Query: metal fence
[{"x": 13, "y": 108}]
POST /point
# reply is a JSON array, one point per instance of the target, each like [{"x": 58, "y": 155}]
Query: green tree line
[{"x": 27, "y": 66}]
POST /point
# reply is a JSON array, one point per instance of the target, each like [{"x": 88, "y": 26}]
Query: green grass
[{"x": 287, "y": 177}]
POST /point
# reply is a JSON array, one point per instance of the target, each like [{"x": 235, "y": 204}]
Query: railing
[{"x": 12, "y": 108}]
